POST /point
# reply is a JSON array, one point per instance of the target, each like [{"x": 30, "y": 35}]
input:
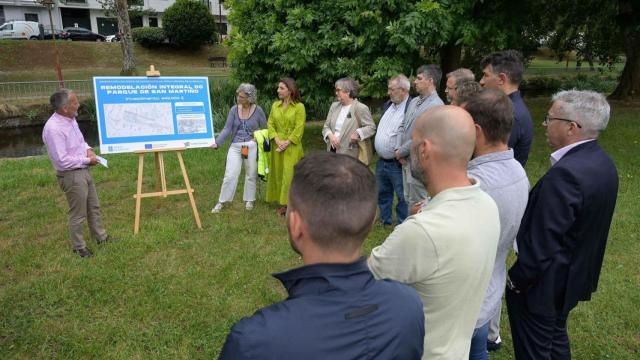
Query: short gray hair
[
  {"x": 402, "y": 81},
  {"x": 461, "y": 75},
  {"x": 348, "y": 85},
  {"x": 59, "y": 98},
  {"x": 466, "y": 90},
  {"x": 431, "y": 71},
  {"x": 250, "y": 90},
  {"x": 588, "y": 108}
]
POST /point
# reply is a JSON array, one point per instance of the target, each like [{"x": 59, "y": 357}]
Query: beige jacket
[{"x": 367, "y": 129}]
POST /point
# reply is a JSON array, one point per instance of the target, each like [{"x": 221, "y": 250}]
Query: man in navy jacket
[
  {"x": 335, "y": 308},
  {"x": 503, "y": 71},
  {"x": 563, "y": 233}
]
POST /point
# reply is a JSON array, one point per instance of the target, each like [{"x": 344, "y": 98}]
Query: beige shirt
[{"x": 446, "y": 252}]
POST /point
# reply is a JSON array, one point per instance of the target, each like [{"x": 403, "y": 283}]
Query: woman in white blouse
[{"x": 348, "y": 120}]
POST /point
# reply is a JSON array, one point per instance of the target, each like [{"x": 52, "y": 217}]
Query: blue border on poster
[{"x": 192, "y": 92}]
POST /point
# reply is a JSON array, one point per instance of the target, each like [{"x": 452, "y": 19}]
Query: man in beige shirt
[{"x": 447, "y": 250}]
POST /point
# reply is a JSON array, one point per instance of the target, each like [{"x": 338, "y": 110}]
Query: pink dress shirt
[{"x": 65, "y": 143}]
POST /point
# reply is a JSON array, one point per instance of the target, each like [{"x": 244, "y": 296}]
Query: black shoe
[
  {"x": 84, "y": 252},
  {"x": 494, "y": 345},
  {"x": 108, "y": 239}
]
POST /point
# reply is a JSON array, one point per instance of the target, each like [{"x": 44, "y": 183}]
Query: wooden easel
[
  {"x": 161, "y": 183},
  {"x": 161, "y": 180}
]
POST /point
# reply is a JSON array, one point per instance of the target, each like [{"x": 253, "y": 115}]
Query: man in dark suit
[{"x": 564, "y": 229}]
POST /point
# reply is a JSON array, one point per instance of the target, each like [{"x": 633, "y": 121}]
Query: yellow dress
[{"x": 286, "y": 125}]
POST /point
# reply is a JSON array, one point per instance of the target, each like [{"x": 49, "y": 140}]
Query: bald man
[{"x": 447, "y": 250}]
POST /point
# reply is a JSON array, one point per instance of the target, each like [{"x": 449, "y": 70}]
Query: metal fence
[{"x": 26, "y": 90}]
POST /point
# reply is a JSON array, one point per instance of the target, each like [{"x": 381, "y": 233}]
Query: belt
[
  {"x": 389, "y": 160},
  {"x": 70, "y": 170}
]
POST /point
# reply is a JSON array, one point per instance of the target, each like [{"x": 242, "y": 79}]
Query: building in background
[{"x": 89, "y": 14}]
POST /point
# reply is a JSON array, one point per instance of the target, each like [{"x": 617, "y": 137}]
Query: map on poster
[{"x": 145, "y": 113}]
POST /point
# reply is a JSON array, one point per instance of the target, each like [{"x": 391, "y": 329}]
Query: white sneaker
[
  {"x": 249, "y": 205},
  {"x": 217, "y": 208}
]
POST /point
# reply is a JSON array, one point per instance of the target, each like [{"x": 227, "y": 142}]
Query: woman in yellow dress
[{"x": 286, "y": 126}]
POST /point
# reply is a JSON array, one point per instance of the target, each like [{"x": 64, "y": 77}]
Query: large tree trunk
[
  {"x": 126, "y": 41},
  {"x": 628, "y": 19},
  {"x": 450, "y": 59}
]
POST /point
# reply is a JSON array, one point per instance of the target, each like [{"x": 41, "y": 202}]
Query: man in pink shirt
[{"x": 71, "y": 156}]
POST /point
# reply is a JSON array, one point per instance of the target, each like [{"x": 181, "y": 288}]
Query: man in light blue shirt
[
  {"x": 426, "y": 84},
  {"x": 503, "y": 178},
  {"x": 388, "y": 168}
]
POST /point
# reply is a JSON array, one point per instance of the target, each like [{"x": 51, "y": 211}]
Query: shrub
[
  {"x": 148, "y": 37},
  {"x": 600, "y": 83},
  {"x": 188, "y": 24}
]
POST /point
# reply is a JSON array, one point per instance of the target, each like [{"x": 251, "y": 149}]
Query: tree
[
  {"x": 599, "y": 29},
  {"x": 123, "y": 11},
  {"x": 188, "y": 24},
  {"x": 320, "y": 41},
  {"x": 126, "y": 41}
]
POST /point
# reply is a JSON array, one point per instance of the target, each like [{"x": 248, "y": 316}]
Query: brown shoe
[
  {"x": 84, "y": 252},
  {"x": 282, "y": 211}
]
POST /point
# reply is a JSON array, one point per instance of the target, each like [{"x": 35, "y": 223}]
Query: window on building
[
  {"x": 2, "y": 19},
  {"x": 76, "y": 1},
  {"x": 222, "y": 28},
  {"x": 31, "y": 17},
  {"x": 153, "y": 22},
  {"x": 136, "y": 21}
]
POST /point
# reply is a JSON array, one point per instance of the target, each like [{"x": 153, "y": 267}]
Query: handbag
[{"x": 365, "y": 148}]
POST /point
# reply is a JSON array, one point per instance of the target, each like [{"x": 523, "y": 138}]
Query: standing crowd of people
[{"x": 456, "y": 174}]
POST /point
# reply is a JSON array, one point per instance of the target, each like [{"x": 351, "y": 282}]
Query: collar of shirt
[
  {"x": 61, "y": 117},
  {"x": 560, "y": 153},
  {"x": 494, "y": 156},
  {"x": 453, "y": 194},
  {"x": 401, "y": 105},
  {"x": 319, "y": 278}
]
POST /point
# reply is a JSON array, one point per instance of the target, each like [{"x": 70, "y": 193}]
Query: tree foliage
[
  {"x": 188, "y": 24},
  {"x": 319, "y": 41}
]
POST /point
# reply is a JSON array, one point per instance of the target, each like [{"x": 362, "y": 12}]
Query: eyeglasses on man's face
[{"x": 548, "y": 119}]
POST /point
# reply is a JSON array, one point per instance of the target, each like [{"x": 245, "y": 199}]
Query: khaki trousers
[
  {"x": 80, "y": 191},
  {"x": 414, "y": 191}
]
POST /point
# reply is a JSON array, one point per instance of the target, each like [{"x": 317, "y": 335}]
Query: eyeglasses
[{"x": 548, "y": 118}]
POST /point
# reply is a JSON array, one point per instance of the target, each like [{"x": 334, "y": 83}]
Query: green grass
[
  {"x": 18, "y": 61},
  {"x": 550, "y": 67},
  {"x": 173, "y": 291}
]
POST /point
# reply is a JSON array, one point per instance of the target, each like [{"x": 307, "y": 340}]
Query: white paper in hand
[{"x": 102, "y": 161}]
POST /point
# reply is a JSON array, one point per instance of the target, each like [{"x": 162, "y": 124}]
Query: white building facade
[{"x": 90, "y": 14}]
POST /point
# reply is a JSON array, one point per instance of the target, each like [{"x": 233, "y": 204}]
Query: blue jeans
[
  {"x": 389, "y": 178},
  {"x": 478, "y": 350}
]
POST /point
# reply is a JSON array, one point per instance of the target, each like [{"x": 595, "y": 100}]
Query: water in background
[{"x": 28, "y": 141}]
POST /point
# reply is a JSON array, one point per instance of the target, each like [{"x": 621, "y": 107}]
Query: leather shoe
[
  {"x": 108, "y": 239},
  {"x": 84, "y": 252}
]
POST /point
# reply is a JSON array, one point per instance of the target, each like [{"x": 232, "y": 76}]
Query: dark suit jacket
[
  {"x": 564, "y": 231},
  {"x": 388, "y": 103}
]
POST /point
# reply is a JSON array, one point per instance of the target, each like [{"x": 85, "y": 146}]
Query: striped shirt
[{"x": 386, "y": 137}]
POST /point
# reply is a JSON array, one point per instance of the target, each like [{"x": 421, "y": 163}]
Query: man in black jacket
[
  {"x": 335, "y": 308},
  {"x": 563, "y": 233}
]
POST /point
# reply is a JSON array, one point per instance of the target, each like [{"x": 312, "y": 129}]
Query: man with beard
[
  {"x": 447, "y": 250},
  {"x": 335, "y": 308}
]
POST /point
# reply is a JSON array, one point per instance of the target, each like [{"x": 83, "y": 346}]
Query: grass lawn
[
  {"x": 19, "y": 63},
  {"x": 173, "y": 291}
]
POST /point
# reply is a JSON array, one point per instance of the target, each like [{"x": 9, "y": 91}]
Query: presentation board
[{"x": 147, "y": 113}]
